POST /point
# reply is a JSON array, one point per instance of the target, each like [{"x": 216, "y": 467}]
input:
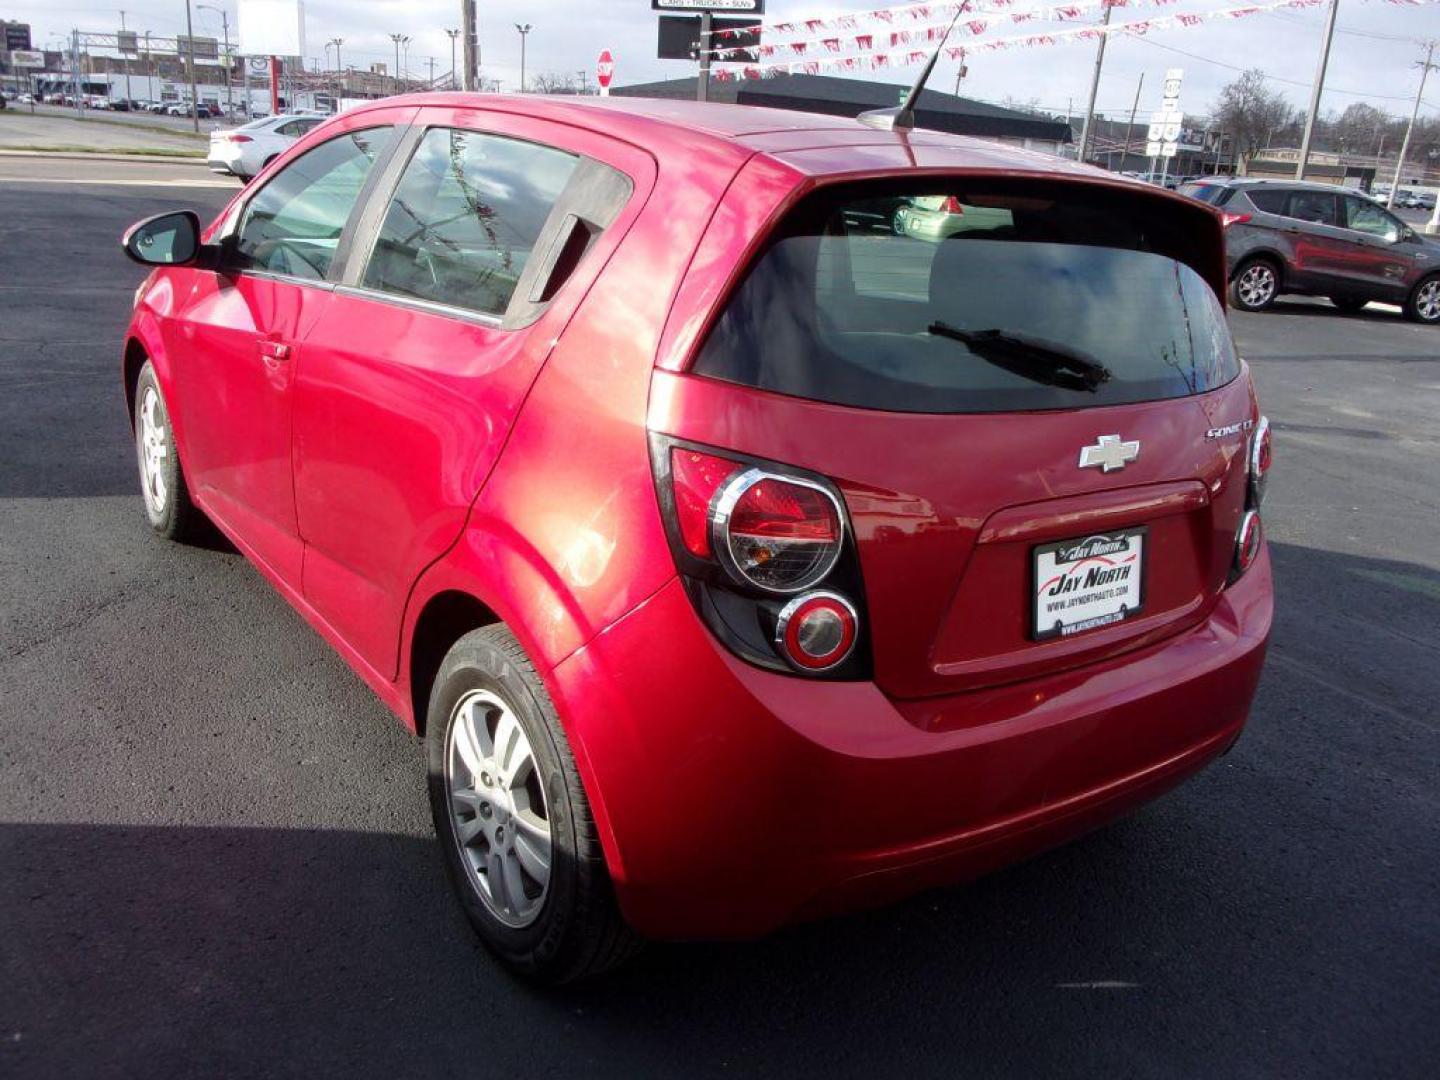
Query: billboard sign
[
  {"x": 27, "y": 58},
  {"x": 200, "y": 48},
  {"x": 734, "y": 7},
  {"x": 271, "y": 27},
  {"x": 127, "y": 41},
  {"x": 17, "y": 37}
]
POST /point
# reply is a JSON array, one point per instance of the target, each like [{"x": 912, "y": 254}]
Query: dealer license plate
[{"x": 1088, "y": 582}]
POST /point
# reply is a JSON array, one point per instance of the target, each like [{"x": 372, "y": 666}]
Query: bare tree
[
  {"x": 550, "y": 83},
  {"x": 1251, "y": 113}
]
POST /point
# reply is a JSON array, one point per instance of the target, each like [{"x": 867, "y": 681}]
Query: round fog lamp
[{"x": 816, "y": 631}]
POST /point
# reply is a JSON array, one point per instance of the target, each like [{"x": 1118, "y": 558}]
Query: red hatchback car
[{"x": 739, "y": 559}]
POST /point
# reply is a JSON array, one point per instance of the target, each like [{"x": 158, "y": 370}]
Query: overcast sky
[{"x": 1372, "y": 60}]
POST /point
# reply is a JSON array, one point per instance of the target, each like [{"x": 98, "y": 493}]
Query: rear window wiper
[{"x": 1030, "y": 357}]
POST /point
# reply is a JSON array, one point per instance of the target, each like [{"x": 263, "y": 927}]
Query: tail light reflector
[
  {"x": 235, "y": 138},
  {"x": 1259, "y": 461},
  {"x": 1247, "y": 544},
  {"x": 779, "y": 534},
  {"x": 952, "y": 205},
  {"x": 1227, "y": 219},
  {"x": 696, "y": 478},
  {"x": 816, "y": 631}
]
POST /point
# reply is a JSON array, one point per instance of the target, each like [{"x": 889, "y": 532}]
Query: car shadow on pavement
[
  {"x": 1179, "y": 942},
  {"x": 1369, "y": 313}
]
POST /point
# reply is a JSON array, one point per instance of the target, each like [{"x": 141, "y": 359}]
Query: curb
[{"x": 70, "y": 155}]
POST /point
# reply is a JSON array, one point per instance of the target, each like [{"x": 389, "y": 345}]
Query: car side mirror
[
  {"x": 1408, "y": 235},
  {"x": 171, "y": 239}
]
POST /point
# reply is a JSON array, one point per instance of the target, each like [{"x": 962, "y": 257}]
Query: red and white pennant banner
[
  {"x": 987, "y": 15},
  {"x": 877, "y": 60},
  {"x": 909, "y": 14}
]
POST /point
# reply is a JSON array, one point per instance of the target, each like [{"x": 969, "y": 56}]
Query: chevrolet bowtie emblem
[{"x": 1108, "y": 454}]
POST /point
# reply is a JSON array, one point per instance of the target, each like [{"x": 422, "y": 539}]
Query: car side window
[
  {"x": 292, "y": 129},
  {"x": 465, "y": 219},
  {"x": 293, "y": 224},
  {"x": 1267, "y": 200},
  {"x": 1316, "y": 207},
  {"x": 1362, "y": 215}
]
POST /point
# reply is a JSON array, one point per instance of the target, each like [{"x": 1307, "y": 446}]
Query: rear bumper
[{"x": 733, "y": 800}]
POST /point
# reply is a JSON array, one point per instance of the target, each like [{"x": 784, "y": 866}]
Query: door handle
[{"x": 275, "y": 350}]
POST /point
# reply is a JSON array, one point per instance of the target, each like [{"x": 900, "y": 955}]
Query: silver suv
[{"x": 1318, "y": 240}]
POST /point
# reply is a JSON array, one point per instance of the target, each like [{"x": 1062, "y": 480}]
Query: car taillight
[
  {"x": 952, "y": 205},
  {"x": 1247, "y": 542},
  {"x": 1259, "y": 463},
  {"x": 766, "y": 556},
  {"x": 780, "y": 534},
  {"x": 695, "y": 478},
  {"x": 1227, "y": 219},
  {"x": 816, "y": 631}
]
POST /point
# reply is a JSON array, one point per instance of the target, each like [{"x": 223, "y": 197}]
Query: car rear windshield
[
  {"x": 977, "y": 299},
  {"x": 1215, "y": 194}
]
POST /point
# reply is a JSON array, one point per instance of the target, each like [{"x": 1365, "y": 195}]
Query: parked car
[
  {"x": 25, "y": 99},
  {"x": 735, "y": 566},
  {"x": 1425, "y": 200},
  {"x": 245, "y": 150},
  {"x": 1289, "y": 237},
  {"x": 939, "y": 217}
]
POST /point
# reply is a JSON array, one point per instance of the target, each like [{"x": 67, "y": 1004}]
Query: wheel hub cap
[
  {"x": 1428, "y": 301},
  {"x": 497, "y": 807},
  {"x": 154, "y": 448},
  {"x": 1256, "y": 285}
]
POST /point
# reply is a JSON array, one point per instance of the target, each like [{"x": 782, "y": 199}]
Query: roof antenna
[{"x": 902, "y": 117}]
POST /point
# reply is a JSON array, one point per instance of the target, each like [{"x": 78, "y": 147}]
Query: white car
[{"x": 245, "y": 150}]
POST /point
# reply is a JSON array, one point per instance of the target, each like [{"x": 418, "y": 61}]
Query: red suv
[{"x": 738, "y": 559}]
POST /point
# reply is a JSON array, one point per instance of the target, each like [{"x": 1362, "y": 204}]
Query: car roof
[
  {"x": 800, "y": 138},
  {"x": 1264, "y": 182}
]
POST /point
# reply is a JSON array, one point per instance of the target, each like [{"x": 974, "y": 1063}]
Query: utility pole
[
  {"x": 337, "y": 42},
  {"x": 702, "y": 84},
  {"x": 1130, "y": 127},
  {"x": 75, "y": 73},
  {"x": 1094, "y": 88},
  {"x": 128, "y": 95},
  {"x": 524, "y": 29},
  {"x": 470, "y": 24},
  {"x": 1316, "y": 91},
  {"x": 190, "y": 55},
  {"x": 454, "y": 36},
  {"x": 1426, "y": 66},
  {"x": 397, "y": 39},
  {"x": 432, "y": 74}
]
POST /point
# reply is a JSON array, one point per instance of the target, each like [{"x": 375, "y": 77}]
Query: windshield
[{"x": 843, "y": 305}]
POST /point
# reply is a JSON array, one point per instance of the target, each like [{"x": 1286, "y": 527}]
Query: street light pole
[
  {"x": 454, "y": 36},
  {"x": 190, "y": 53},
  {"x": 229, "y": 61},
  {"x": 524, "y": 29},
  {"x": 126, "y": 59},
  {"x": 397, "y": 39}
]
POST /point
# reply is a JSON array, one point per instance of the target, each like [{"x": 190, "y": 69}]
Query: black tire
[
  {"x": 1348, "y": 304},
  {"x": 578, "y": 931},
  {"x": 268, "y": 160},
  {"x": 1246, "y": 298},
  {"x": 1423, "y": 303},
  {"x": 173, "y": 516}
]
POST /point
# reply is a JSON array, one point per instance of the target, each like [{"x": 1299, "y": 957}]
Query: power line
[
  {"x": 1297, "y": 21},
  {"x": 1270, "y": 78}
]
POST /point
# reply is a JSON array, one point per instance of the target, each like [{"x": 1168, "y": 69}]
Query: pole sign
[
  {"x": 605, "y": 72},
  {"x": 745, "y": 7},
  {"x": 127, "y": 41},
  {"x": 1163, "y": 136},
  {"x": 27, "y": 58}
]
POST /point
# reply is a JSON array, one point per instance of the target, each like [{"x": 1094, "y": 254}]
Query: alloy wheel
[
  {"x": 152, "y": 444},
  {"x": 496, "y": 800},
  {"x": 1427, "y": 301},
  {"x": 1257, "y": 285}
]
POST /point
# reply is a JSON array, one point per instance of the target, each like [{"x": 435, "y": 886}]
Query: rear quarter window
[
  {"x": 1268, "y": 200},
  {"x": 1010, "y": 300}
]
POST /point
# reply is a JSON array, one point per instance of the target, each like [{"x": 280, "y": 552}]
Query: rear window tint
[
  {"x": 1268, "y": 200},
  {"x": 1206, "y": 193},
  {"x": 983, "y": 301}
]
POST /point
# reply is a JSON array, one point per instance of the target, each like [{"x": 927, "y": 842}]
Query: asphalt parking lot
[{"x": 216, "y": 856}]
